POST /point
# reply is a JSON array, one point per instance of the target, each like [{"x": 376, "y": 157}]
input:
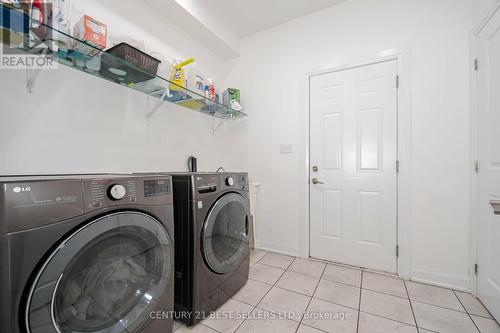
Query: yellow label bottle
[{"x": 177, "y": 77}]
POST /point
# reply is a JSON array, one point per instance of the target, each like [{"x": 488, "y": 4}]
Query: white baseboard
[
  {"x": 277, "y": 248},
  {"x": 441, "y": 278}
]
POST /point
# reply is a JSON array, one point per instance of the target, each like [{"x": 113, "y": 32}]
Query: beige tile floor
[{"x": 287, "y": 294}]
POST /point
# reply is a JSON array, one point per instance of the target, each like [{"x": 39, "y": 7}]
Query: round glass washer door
[
  {"x": 225, "y": 233},
  {"x": 106, "y": 277}
]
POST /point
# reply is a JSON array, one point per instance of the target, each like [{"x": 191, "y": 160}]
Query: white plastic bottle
[{"x": 196, "y": 80}]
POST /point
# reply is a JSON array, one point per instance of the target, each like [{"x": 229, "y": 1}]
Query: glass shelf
[{"x": 40, "y": 39}]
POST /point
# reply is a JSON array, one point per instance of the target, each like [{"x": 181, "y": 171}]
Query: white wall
[
  {"x": 269, "y": 73},
  {"x": 75, "y": 123}
]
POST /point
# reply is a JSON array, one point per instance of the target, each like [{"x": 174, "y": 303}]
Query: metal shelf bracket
[
  {"x": 218, "y": 122},
  {"x": 158, "y": 103}
]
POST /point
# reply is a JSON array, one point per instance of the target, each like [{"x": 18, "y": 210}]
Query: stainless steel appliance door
[{"x": 225, "y": 233}]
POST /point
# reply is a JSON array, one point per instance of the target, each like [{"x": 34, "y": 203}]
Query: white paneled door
[
  {"x": 488, "y": 151},
  {"x": 353, "y": 154}
]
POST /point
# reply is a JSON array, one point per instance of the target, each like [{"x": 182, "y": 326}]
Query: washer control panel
[
  {"x": 157, "y": 187},
  {"x": 111, "y": 192},
  {"x": 116, "y": 192},
  {"x": 230, "y": 181},
  {"x": 35, "y": 201}
]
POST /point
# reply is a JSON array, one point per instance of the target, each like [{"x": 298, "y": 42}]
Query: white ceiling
[
  {"x": 246, "y": 17},
  {"x": 220, "y": 24}
]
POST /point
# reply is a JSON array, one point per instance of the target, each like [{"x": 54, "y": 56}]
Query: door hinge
[
  {"x": 476, "y": 64},
  {"x": 397, "y": 251},
  {"x": 475, "y": 269},
  {"x": 397, "y": 81},
  {"x": 476, "y": 166},
  {"x": 397, "y": 166}
]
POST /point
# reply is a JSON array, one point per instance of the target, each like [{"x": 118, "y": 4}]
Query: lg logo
[{"x": 18, "y": 189}]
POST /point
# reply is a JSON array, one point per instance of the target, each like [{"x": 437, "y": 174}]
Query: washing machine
[
  {"x": 90, "y": 254},
  {"x": 212, "y": 216}
]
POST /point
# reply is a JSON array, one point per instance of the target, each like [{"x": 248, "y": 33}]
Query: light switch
[{"x": 286, "y": 149}]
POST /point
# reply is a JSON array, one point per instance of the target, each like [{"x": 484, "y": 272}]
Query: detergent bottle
[{"x": 178, "y": 77}]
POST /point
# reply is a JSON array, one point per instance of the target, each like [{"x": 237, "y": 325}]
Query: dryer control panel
[
  {"x": 236, "y": 181},
  {"x": 208, "y": 184}
]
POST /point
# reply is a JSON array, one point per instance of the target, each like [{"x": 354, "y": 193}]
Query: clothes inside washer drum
[{"x": 106, "y": 286}]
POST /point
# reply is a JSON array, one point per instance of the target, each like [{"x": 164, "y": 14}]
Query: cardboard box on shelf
[{"x": 92, "y": 32}]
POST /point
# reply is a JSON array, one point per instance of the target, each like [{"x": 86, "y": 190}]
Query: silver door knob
[{"x": 315, "y": 181}]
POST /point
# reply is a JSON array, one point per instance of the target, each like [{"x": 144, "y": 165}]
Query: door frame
[
  {"x": 402, "y": 57},
  {"x": 474, "y": 148}
]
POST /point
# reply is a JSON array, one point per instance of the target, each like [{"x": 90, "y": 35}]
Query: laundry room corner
[{"x": 236, "y": 166}]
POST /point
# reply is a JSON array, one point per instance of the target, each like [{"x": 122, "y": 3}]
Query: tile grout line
[
  {"x": 359, "y": 304},
  {"x": 340, "y": 304},
  {"x": 361, "y": 289},
  {"x": 314, "y": 292},
  {"x": 243, "y": 302},
  {"x": 318, "y": 329},
  {"x": 433, "y": 304},
  {"x": 198, "y": 324},
  {"x": 310, "y": 275},
  {"x": 262, "y": 263},
  {"x": 390, "y": 319},
  {"x": 261, "y": 258},
  {"x": 343, "y": 283},
  {"x": 320, "y": 279},
  {"x": 268, "y": 265},
  {"x": 213, "y": 329},
  {"x": 255, "y": 307},
  {"x": 488, "y": 311},
  {"x": 438, "y": 306},
  {"x": 466, "y": 311},
  {"x": 338, "y": 264},
  {"x": 351, "y": 308},
  {"x": 384, "y": 293},
  {"x": 296, "y": 292},
  {"x": 346, "y": 284},
  {"x": 411, "y": 307}
]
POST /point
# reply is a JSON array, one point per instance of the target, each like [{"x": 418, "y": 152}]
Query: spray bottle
[{"x": 178, "y": 77}]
